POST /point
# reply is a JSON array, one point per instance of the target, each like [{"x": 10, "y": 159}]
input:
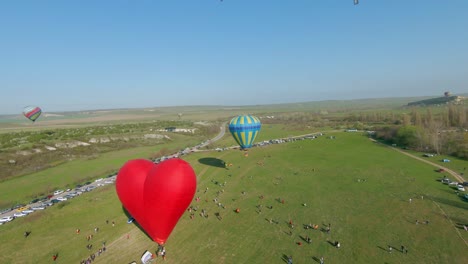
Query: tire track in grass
[
  {"x": 448, "y": 218},
  {"x": 451, "y": 172}
]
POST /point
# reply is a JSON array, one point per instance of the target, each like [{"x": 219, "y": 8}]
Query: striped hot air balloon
[
  {"x": 244, "y": 129},
  {"x": 32, "y": 112}
]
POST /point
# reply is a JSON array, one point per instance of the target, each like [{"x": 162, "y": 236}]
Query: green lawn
[
  {"x": 326, "y": 174},
  {"x": 25, "y": 188}
]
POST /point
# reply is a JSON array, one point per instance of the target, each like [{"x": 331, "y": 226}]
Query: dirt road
[{"x": 451, "y": 172}]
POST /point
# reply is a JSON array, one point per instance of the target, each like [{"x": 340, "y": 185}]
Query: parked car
[
  {"x": 34, "y": 201},
  {"x": 45, "y": 204},
  {"x": 460, "y": 188},
  {"x": 61, "y": 199},
  {"x": 54, "y": 201},
  {"x": 6, "y": 219},
  {"x": 35, "y": 208},
  {"x": 57, "y": 192},
  {"x": 5, "y": 211},
  {"x": 18, "y": 206},
  {"x": 27, "y": 211},
  {"x": 446, "y": 180},
  {"x": 19, "y": 214},
  {"x": 21, "y": 209}
]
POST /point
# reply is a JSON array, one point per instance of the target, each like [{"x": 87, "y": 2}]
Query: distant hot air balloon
[
  {"x": 32, "y": 112},
  {"x": 244, "y": 129},
  {"x": 356, "y": 2}
]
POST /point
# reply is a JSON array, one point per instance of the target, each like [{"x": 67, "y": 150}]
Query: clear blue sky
[{"x": 89, "y": 54}]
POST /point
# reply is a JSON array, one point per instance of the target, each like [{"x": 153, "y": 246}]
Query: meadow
[
  {"x": 27, "y": 187},
  {"x": 360, "y": 188}
]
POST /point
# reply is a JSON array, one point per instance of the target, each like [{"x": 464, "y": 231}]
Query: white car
[
  {"x": 6, "y": 219},
  {"x": 38, "y": 208},
  {"x": 446, "y": 181},
  {"x": 19, "y": 215},
  {"x": 61, "y": 199},
  {"x": 57, "y": 192},
  {"x": 461, "y": 188},
  {"x": 28, "y": 211}
]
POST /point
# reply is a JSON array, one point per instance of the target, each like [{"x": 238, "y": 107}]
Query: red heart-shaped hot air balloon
[
  {"x": 168, "y": 190},
  {"x": 129, "y": 185}
]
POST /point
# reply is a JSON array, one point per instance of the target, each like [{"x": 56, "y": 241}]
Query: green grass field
[
  {"x": 327, "y": 175},
  {"x": 25, "y": 188}
]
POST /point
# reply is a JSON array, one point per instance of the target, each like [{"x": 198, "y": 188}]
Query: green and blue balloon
[{"x": 244, "y": 129}]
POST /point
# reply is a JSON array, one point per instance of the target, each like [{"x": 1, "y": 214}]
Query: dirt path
[{"x": 451, "y": 172}]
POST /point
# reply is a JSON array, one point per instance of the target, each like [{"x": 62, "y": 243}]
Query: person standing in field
[{"x": 163, "y": 253}]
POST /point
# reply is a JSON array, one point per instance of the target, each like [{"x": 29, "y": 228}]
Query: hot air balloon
[
  {"x": 157, "y": 195},
  {"x": 129, "y": 185},
  {"x": 244, "y": 129},
  {"x": 32, "y": 112}
]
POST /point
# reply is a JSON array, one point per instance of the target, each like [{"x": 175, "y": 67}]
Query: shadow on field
[
  {"x": 316, "y": 259},
  {"x": 285, "y": 258},
  {"x": 384, "y": 249},
  {"x": 212, "y": 162},
  {"x": 461, "y": 204},
  {"x": 135, "y": 222}
]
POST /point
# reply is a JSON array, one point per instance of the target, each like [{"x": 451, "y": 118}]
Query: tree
[
  {"x": 407, "y": 136},
  {"x": 416, "y": 116},
  {"x": 406, "y": 120},
  {"x": 435, "y": 139}
]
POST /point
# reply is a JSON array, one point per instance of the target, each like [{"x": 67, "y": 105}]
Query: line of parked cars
[
  {"x": 460, "y": 186},
  {"x": 22, "y": 210}
]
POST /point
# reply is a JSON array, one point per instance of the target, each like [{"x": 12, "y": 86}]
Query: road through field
[{"x": 451, "y": 172}]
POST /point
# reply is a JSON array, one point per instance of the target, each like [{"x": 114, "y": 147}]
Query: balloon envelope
[
  {"x": 169, "y": 190},
  {"x": 156, "y": 195},
  {"x": 129, "y": 185},
  {"x": 244, "y": 129},
  {"x": 32, "y": 112}
]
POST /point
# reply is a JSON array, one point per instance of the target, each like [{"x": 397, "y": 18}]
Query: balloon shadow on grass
[
  {"x": 134, "y": 222},
  {"x": 212, "y": 162}
]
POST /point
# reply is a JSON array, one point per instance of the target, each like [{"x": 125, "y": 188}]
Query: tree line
[{"x": 444, "y": 132}]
